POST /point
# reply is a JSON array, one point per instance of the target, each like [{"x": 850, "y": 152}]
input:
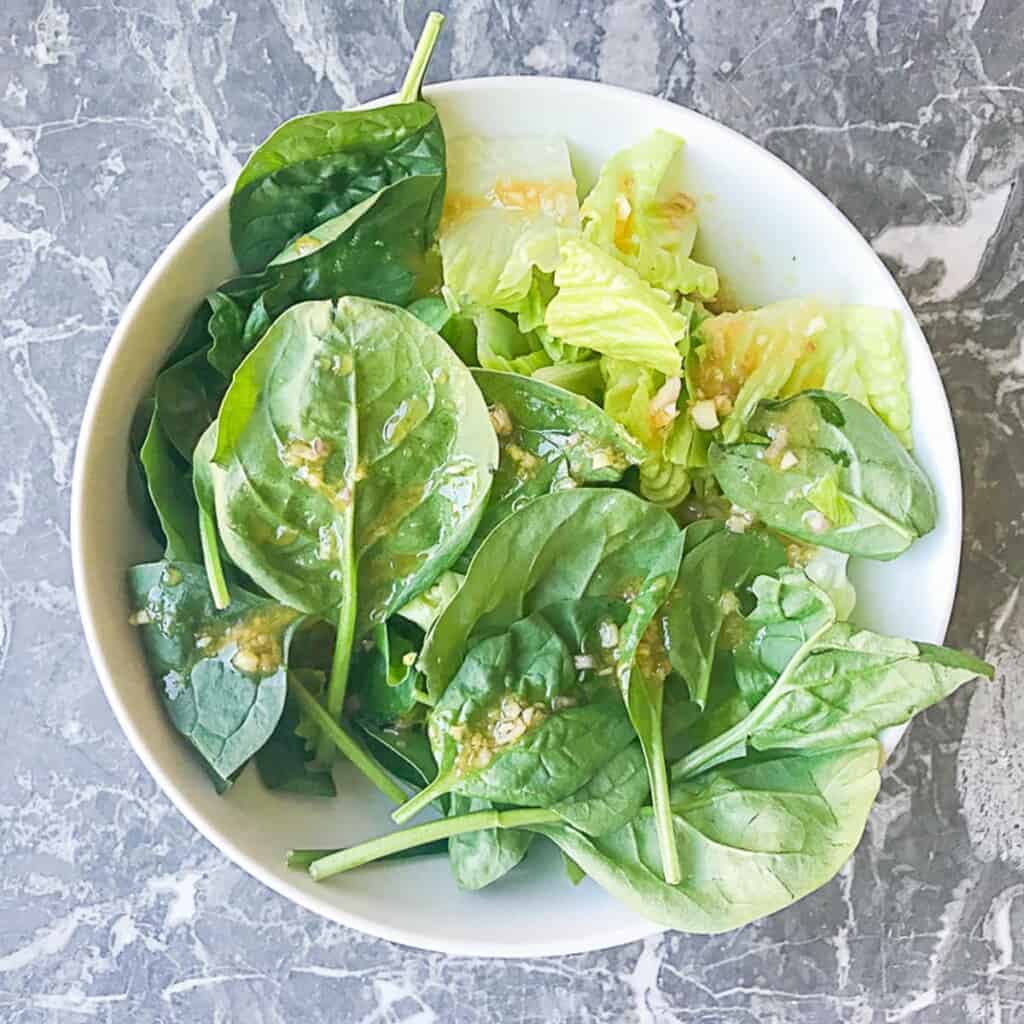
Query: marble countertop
[{"x": 118, "y": 119}]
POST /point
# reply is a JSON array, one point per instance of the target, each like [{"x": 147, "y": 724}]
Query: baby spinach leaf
[
  {"x": 170, "y": 491},
  {"x": 790, "y": 612},
  {"x": 712, "y": 575},
  {"x": 188, "y": 395},
  {"x": 352, "y": 464},
  {"x": 315, "y": 167},
  {"x": 350, "y": 411},
  {"x": 549, "y": 440},
  {"x": 840, "y": 687},
  {"x": 642, "y": 665},
  {"x": 221, "y": 674},
  {"x": 402, "y": 750},
  {"x": 529, "y": 717},
  {"x": 753, "y": 837},
  {"x": 285, "y": 761},
  {"x": 611, "y": 796},
  {"x": 384, "y": 681},
  {"x": 202, "y": 485},
  {"x": 581, "y": 543},
  {"x": 852, "y": 487},
  {"x": 480, "y": 858}
]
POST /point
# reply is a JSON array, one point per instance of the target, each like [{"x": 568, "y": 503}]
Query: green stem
[
  {"x": 343, "y": 639},
  {"x": 662, "y": 806},
  {"x": 211, "y": 560},
  {"x": 441, "y": 785},
  {"x": 421, "y": 58},
  {"x": 723, "y": 746},
  {"x": 431, "y": 831},
  {"x": 345, "y": 743}
]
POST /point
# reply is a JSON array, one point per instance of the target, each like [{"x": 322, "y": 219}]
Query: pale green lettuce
[
  {"x": 787, "y": 347},
  {"x": 505, "y": 202},
  {"x": 634, "y": 213},
  {"x": 603, "y": 305}
]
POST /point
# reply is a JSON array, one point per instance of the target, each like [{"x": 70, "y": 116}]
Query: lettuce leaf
[
  {"x": 632, "y": 213},
  {"x": 506, "y": 200},
  {"x": 603, "y": 305},
  {"x": 674, "y": 446},
  {"x": 788, "y": 347}
]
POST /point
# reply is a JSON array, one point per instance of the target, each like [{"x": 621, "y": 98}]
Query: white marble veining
[{"x": 118, "y": 119}]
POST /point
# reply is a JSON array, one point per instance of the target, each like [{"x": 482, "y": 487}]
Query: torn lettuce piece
[
  {"x": 505, "y": 202},
  {"x": 605, "y": 306},
  {"x": 500, "y": 345},
  {"x": 652, "y": 407},
  {"x": 787, "y": 347},
  {"x": 635, "y": 213}
]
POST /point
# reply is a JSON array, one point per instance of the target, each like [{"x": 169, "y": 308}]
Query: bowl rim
[{"x": 106, "y": 672}]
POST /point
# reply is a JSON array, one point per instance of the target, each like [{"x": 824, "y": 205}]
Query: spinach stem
[
  {"x": 355, "y": 856},
  {"x": 411, "y": 807},
  {"x": 664, "y": 822},
  {"x": 421, "y": 58},
  {"x": 333, "y": 731},
  {"x": 345, "y": 635},
  {"x": 211, "y": 560},
  {"x": 723, "y": 746}
]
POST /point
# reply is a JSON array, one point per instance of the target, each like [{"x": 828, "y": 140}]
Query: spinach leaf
[
  {"x": 570, "y": 544},
  {"x": 315, "y": 167},
  {"x": 384, "y": 681},
  {"x": 221, "y": 674},
  {"x": 188, "y": 395},
  {"x": 170, "y": 492},
  {"x": 790, "y": 612},
  {"x": 611, "y": 797},
  {"x": 285, "y": 761},
  {"x": 351, "y": 465},
  {"x": 706, "y": 595},
  {"x": 754, "y": 836},
  {"x": 425, "y": 608},
  {"x": 532, "y": 713},
  {"x": 841, "y": 686},
  {"x": 642, "y": 665},
  {"x": 549, "y": 439},
  {"x": 480, "y": 858},
  {"x": 202, "y": 485},
  {"x": 833, "y": 474},
  {"x": 403, "y": 750}
]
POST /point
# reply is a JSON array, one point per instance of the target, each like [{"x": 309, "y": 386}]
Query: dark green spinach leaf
[
  {"x": 532, "y": 713},
  {"x": 221, "y": 674},
  {"x": 352, "y": 458},
  {"x": 550, "y": 439},
  {"x": 717, "y": 567},
  {"x": 581, "y": 543}
]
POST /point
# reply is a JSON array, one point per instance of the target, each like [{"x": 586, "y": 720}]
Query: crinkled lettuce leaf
[
  {"x": 505, "y": 202},
  {"x": 787, "y": 347},
  {"x": 674, "y": 446},
  {"x": 603, "y": 305},
  {"x": 634, "y": 213}
]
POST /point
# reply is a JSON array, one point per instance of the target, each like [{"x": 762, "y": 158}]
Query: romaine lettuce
[
  {"x": 605, "y": 306},
  {"x": 788, "y": 347},
  {"x": 633, "y": 213},
  {"x": 506, "y": 200}
]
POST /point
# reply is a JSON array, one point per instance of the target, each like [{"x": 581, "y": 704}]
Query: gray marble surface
[{"x": 118, "y": 118}]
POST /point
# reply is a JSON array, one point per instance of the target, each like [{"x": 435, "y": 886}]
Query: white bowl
[{"x": 771, "y": 234}]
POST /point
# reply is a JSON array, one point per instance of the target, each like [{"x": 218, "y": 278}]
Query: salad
[{"x": 483, "y": 490}]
